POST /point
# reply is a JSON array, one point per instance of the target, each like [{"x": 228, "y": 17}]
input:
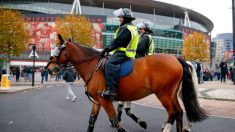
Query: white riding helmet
[
  {"x": 125, "y": 12},
  {"x": 145, "y": 25}
]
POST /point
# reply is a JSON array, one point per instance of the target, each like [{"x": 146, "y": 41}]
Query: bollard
[{"x": 6, "y": 82}]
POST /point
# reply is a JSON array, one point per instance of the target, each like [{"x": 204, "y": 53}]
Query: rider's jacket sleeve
[
  {"x": 122, "y": 40},
  {"x": 143, "y": 45}
]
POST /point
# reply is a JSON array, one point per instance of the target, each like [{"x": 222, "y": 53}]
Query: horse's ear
[{"x": 60, "y": 38}]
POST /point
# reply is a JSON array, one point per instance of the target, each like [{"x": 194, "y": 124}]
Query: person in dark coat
[
  {"x": 46, "y": 75},
  {"x": 198, "y": 70},
  {"x": 69, "y": 76},
  {"x": 145, "y": 45},
  {"x": 43, "y": 72},
  {"x": 17, "y": 72},
  {"x": 223, "y": 70},
  {"x": 231, "y": 73},
  {"x": 0, "y": 73}
]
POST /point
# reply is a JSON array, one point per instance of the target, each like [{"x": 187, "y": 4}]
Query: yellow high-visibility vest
[
  {"x": 130, "y": 50},
  {"x": 151, "y": 46}
]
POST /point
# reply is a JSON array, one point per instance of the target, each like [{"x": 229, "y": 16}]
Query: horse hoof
[
  {"x": 186, "y": 130},
  {"x": 90, "y": 129},
  {"x": 143, "y": 124},
  {"x": 163, "y": 125},
  {"x": 112, "y": 126},
  {"x": 119, "y": 119},
  {"x": 121, "y": 129}
]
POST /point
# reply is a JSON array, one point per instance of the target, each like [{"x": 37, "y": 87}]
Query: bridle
[{"x": 57, "y": 53}]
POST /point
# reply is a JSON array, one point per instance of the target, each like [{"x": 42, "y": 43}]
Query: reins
[
  {"x": 85, "y": 60},
  {"x": 89, "y": 79},
  {"x": 91, "y": 74}
]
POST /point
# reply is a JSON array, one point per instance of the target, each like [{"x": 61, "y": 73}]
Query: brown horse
[{"x": 161, "y": 75}]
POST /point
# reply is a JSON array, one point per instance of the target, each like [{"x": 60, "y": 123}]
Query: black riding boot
[{"x": 109, "y": 94}]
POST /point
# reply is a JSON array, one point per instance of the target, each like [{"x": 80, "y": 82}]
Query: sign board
[
  {"x": 31, "y": 54},
  {"x": 6, "y": 82}
]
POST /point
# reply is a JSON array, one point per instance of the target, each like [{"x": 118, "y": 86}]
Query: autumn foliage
[
  {"x": 13, "y": 34},
  {"x": 76, "y": 27},
  {"x": 195, "y": 47}
]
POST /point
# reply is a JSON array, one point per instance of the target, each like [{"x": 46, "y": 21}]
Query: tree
[
  {"x": 13, "y": 34},
  {"x": 195, "y": 47},
  {"x": 77, "y": 28}
]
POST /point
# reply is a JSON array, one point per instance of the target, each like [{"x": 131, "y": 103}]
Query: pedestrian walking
[
  {"x": 69, "y": 76},
  {"x": 4, "y": 70},
  {"x": 58, "y": 75},
  {"x": 30, "y": 73},
  {"x": 25, "y": 74},
  {"x": 46, "y": 75},
  {"x": 217, "y": 73},
  {"x": 17, "y": 72},
  {"x": 231, "y": 72},
  {"x": 223, "y": 70},
  {"x": 43, "y": 72},
  {"x": 0, "y": 73},
  {"x": 198, "y": 70}
]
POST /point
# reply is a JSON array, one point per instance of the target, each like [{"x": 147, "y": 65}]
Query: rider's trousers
[{"x": 112, "y": 69}]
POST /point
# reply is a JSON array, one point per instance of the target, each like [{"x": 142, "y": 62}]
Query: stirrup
[{"x": 112, "y": 95}]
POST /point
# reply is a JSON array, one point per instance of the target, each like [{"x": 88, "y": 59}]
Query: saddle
[{"x": 125, "y": 69}]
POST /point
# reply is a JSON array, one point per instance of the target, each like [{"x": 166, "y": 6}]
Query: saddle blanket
[{"x": 126, "y": 68}]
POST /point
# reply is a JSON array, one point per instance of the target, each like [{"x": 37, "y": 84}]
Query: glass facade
[{"x": 166, "y": 41}]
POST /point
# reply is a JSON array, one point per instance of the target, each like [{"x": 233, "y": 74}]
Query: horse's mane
[{"x": 87, "y": 50}]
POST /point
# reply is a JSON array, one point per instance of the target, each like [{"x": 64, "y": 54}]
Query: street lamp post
[
  {"x": 233, "y": 13},
  {"x": 34, "y": 48}
]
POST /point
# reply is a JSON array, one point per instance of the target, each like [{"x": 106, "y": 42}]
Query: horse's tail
[{"x": 189, "y": 95}]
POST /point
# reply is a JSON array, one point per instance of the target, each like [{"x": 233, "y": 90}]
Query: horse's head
[{"x": 59, "y": 57}]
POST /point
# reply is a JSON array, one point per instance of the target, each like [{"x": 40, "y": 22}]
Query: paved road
[{"x": 46, "y": 110}]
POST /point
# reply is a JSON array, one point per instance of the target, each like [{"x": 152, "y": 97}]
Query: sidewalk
[
  {"x": 217, "y": 90},
  {"x": 27, "y": 85}
]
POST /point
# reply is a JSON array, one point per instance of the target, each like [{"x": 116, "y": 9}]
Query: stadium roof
[{"x": 146, "y": 6}]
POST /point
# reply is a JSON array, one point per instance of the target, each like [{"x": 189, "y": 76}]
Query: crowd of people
[{"x": 221, "y": 72}]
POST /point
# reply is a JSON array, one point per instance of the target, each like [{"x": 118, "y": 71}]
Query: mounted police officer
[
  {"x": 123, "y": 47},
  {"x": 146, "y": 44}
]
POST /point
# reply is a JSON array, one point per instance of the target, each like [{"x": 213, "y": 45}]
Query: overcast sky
[{"x": 218, "y": 11}]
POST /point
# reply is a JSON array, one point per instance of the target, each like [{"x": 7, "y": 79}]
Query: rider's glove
[{"x": 104, "y": 52}]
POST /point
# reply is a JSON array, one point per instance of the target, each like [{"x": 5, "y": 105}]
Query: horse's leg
[
  {"x": 93, "y": 116},
  {"x": 110, "y": 110},
  {"x": 188, "y": 126},
  {"x": 119, "y": 110},
  {"x": 133, "y": 116},
  {"x": 179, "y": 120},
  {"x": 171, "y": 109}
]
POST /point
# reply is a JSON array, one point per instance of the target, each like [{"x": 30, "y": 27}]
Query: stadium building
[{"x": 172, "y": 23}]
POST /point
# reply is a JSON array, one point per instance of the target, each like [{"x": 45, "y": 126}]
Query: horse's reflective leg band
[
  {"x": 119, "y": 110},
  {"x": 167, "y": 127},
  {"x": 115, "y": 122},
  {"x": 92, "y": 120},
  {"x": 133, "y": 116}
]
